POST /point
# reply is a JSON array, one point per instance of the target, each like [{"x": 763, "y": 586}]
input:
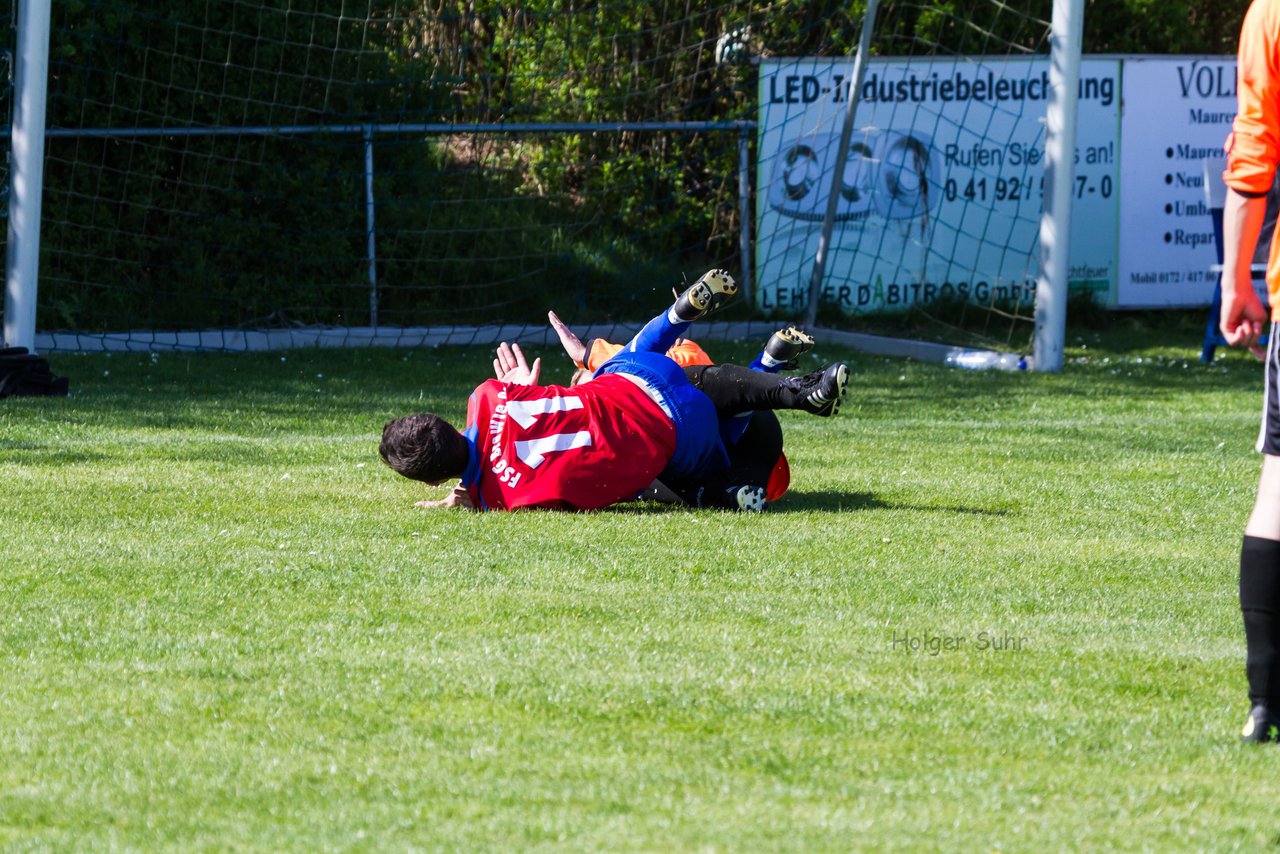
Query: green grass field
[{"x": 225, "y": 626}]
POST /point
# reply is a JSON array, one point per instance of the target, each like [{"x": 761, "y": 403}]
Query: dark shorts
[{"x": 1269, "y": 435}]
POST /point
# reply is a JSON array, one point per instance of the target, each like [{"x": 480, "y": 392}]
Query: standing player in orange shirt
[{"x": 1253, "y": 151}]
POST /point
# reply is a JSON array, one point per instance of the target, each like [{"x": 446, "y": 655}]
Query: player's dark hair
[{"x": 424, "y": 447}]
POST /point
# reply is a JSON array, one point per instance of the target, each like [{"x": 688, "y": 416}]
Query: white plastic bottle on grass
[{"x": 987, "y": 360}]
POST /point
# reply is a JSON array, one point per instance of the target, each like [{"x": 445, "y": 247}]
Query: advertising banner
[
  {"x": 941, "y": 189},
  {"x": 1177, "y": 114}
]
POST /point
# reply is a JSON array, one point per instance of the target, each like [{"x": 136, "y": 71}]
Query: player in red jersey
[
  {"x": 604, "y": 441},
  {"x": 563, "y": 448},
  {"x": 753, "y": 440}
]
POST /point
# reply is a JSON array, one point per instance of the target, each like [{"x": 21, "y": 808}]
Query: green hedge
[{"x": 178, "y": 232}]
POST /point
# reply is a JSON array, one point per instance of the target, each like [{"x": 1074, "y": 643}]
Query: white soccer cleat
[
  {"x": 712, "y": 290},
  {"x": 786, "y": 346},
  {"x": 750, "y": 499}
]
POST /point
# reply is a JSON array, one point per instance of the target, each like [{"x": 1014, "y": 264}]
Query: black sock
[
  {"x": 735, "y": 389},
  {"x": 1260, "y": 606}
]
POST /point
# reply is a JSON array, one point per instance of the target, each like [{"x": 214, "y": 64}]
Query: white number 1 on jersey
[{"x": 532, "y": 452}]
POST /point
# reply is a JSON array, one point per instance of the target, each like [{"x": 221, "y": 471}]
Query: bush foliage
[{"x": 175, "y": 231}]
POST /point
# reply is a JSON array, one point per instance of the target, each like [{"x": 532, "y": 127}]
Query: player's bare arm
[
  {"x": 572, "y": 344},
  {"x": 1243, "y": 318}
]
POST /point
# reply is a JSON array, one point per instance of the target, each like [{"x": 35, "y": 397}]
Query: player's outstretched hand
[
  {"x": 571, "y": 343},
  {"x": 510, "y": 366},
  {"x": 1243, "y": 319},
  {"x": 459, "y": 498}
]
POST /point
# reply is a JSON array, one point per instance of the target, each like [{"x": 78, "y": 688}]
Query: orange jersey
[
  {"x": 1253, "y": 148},
  {"x": 684, "y": 353}
]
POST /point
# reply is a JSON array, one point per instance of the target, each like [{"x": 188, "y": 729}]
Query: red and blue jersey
[{"x": 564, "y": 448}]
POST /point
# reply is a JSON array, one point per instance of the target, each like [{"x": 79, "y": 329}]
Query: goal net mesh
[{"x": 305, "y": 166}]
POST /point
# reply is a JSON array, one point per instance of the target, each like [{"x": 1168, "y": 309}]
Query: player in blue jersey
[{"x": 604, "y": 440}]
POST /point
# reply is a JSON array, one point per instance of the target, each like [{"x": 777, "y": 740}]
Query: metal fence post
[
  {"x": 371, "y": 248},
  {"x": 744, "y": 211}
]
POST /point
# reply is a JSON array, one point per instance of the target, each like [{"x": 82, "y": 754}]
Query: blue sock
[
  {"x": 757, "y": 364},
  {"x": 659, "y": 334}
]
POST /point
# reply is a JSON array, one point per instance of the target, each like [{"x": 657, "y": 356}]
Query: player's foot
[
  {"x": 785, "y": 348},
  {"x": 820, "y": 391},
  {"x": 1261, "y": 726},
  {"x": 712, "y": 290},
  {"x": 750, "y": 499}
]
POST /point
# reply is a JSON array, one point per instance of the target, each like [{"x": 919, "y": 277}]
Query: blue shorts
[{"x": 699, "y": 451}]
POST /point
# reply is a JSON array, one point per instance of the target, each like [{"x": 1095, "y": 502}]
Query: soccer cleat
[
  {"x": 820, "y": 391},
  {"x": 750, "y": 499},
  {"x": 712, "y": 290},
  {"x": 786, "y": 346},
  {"x": 1261, "y": 726}
]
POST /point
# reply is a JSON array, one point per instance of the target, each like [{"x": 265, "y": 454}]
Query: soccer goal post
[
  {"x": 1065, "y": 41},
  {"x": 27, "y": 133},
  {"x": 981, "y": 132},
  {"x": 857, "y": 72},
  {"x": 345, "y": 172}
]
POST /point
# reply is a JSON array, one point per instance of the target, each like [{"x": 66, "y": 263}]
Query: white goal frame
[
  {"x": 26, "y": 173},
  {"x": 1065, "y": 46},
  {"x": 27, "y": 137}
]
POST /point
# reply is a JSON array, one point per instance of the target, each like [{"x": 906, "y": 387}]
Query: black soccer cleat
[
  {"x": 821, "y": 391},
  {"x": 1260, "y": 727},
  {"x": 786, "y": 346},
  {"x": 711, "y": 292},
  {"x": 749, "y": 499}
]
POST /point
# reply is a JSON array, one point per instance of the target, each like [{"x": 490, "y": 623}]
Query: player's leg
[
  {"x": 755, "y": 455},
  {"x": 743, "y": 486},
  {"x": 783, "y": 350},
  {"x": 1260, "y": 573},
  {"x": 712, "y": 290},
  {"x": 1260, "y": 606},
  {"x": 735, "y": 389},
  {"x": 717, "y": 490}
]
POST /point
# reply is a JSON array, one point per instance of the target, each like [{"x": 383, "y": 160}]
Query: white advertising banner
[
  {"x": 1177, "y": 114},
  {"x": 941, "y": 188}
]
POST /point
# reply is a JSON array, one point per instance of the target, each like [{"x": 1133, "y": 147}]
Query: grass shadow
[
  {"x": 794, "y": 502},
  {"x": 832, "y": 500},
  {"x": 827, "y": 499},
  {"x": 37, "y": 455},
  {"x": 954, "y": 509}
]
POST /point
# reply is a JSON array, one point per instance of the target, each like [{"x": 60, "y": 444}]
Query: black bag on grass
[{"x": 23, "y": 373}]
